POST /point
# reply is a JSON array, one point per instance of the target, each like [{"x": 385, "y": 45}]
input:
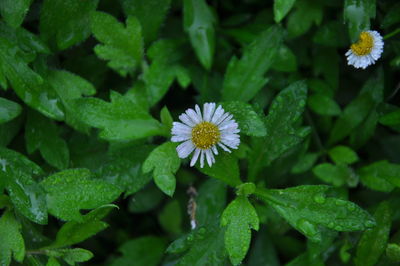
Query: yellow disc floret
[
  {"x": 364, "y": 44},
  {"x": 205, "y": 135}
]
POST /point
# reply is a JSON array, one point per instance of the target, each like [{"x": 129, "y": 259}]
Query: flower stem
[{"x": 393, "y": 33}]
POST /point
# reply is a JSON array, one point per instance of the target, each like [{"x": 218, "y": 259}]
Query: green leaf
[
  {"x": 166, "y": 118},
  {"x": 52, "y": 262},
  {"x": 390, "y": 119},
  {"x": 301, "y": 19},
  {"x": 336, "y": 175},
  {"x": 282, "y": 8},
  {"x": 239, "y": 217},
  {"x": 343, "y": 155},
  {"x": 305, "y": 163},
  {"x": 245, "y": 77},
  {"x": 75, "y": 232},
  {"x": 351, "y": 117},
  {"x": 198, "y": 21},
  {"x": 69, "y": 29},
  {"x": 357, "y": 13},
  {"x": 382, "y": 170},
  {"x": 137, "y": 251},
  {"x": 249, "y": 121},
  {"x": 124, "y": 168},
  {"x": 150, "y": 13},
  {"x": 307, "y": 207},
  {"x": 283, "y": 131},
  {"x": 8, "y": 110},
  {"x": 373, "y": 241},
  {"x": 27, "y": 84},
  {"x": 332, "y": 34},
  {"x": 165, "y": 162},
  {"x": 286, "y": 60},
  {"x": 119, "y": 120},
  {"x": 41, "y": 133},
  {"x": 393, "y": 252},
  {"x": 225, "y": 168},
  {"x": 170, "y": 218},
  {"x": 71, "y": 190},
  {"x": 323, "y": 105},
  {"x": 70, "y": 86},
  {"x": 12, "y": 243},
  {"x": 71, "y": 256},
  {"x": 26, "y": 195},
  {"x": 122, "y": 46},
  {"x": 14, "y": 11}
]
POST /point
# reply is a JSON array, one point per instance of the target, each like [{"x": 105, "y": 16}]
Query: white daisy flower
[
  {"x": 203, "y": 133},
  {"x": 366, "y": 50}
]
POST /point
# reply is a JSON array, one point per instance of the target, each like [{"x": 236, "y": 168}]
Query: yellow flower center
[
  {"x": 364, "y": 44},
  {"x": 205, "y": 135}
]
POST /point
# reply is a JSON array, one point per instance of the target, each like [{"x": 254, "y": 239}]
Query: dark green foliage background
[{"x": 88, "y": 93}]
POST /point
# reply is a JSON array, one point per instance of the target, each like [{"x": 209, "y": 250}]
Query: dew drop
[
  {"x": 331, "y": 224},
  {"x": 306, "y": 227},
  {"x": 369, "y": 223},
  {"x": 338, "y": 228},
  {"x": 351, "y": 207},
  {"x": 319, "y": 198},
  {"x": 302, "y": 103},
  {"x": 339, "y": 202}
]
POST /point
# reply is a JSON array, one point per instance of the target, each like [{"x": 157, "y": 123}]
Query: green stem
[{"x": 393, "y": 33}]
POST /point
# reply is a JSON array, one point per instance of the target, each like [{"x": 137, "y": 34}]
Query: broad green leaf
[
  {"x": 307, "y": 13},
  {"x": 245, "y": 77},
  {"x": 393, "y": 252},
  {"x": 323, "y": 105},
  {"x": 166, "y": 118},
  {"x": 285, "y": 60},
  {"x": 158, "y": 77},
  {"x": 8, "y": 110},
  {"x": 71, "y": 256},
  {"x": 343, "y": 155},
  {"x": 70, "y": 86},
  {"x": 11, "y": 244},
  {"x": 14, "y": 11},
  {"x": 72, "y": 27},
  {"x": 307, "y": 207},
  {"x": 225, "y": 168},
  {"x": 75, "y": 232},
  {"x": 373, "y": 241},
  {"x": 358, "y": 110},
  {"x": 382, "y": 170},
  {"x": 205, "y": 247},
  {"x": 198, "y": 21},
  {"x": 239, "y": 217},
  {"x": 25, "y": 194},
  {"x": 123, "y": 168},
  {"x": 150, "y": 13},
  {"x": 250, "y": 123},
  {"x": 120, "y": 119},
  {"x": 72, "y": 190},
  {"x": 146, "y": 199},
  {"x": 282, "y": 8},
  {"x": 121, "y": 46},
  {"x": 146, "y": 250},
  {"x": 357, "y": 14},
  {"x": 283, "y": 131},
  {"x": 336, "y": 175},
  {"x": 41, "y": 133},
  {"x": 52, "y": 262},
  {"x": 164, "y": 162},
  {"x": 27, "y": 84},
  {"x": 390, "y": 119}
]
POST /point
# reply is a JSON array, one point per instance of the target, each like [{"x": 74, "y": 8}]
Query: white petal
[
  {"x": 195, "y": 157},
  {"x": 186, "y": 120},
  {"x": 180, "y": 128},
  {"x": 180, "y": 138},
  {"x": 193, "y": 116},
  {"x": 201, "y": 158},
  {"x": 208, "y": 109},
  {"x": 224, "y": 147},
  {"x": 185, "y": 149},
  {"x": 217, "y": 115},
  {"x": 214, "y": 149},
  {"x": 209, "y": 157},
  {"x": 198, "y": 112}
]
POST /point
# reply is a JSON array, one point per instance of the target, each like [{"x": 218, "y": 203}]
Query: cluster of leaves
[{"x": 89, "y": 90}]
